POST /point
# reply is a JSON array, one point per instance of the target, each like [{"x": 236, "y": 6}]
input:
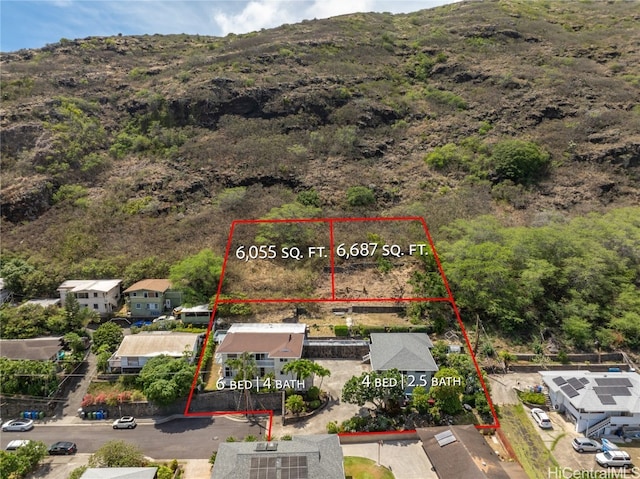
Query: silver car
[
  {"x": 125, "y": 422},
  {"x": 584, "y": 444},
  {"x": 18, "y": 425}
]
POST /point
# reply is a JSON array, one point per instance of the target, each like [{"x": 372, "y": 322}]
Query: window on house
[
  {"x": 134, "y": 294},
  {"x": 145, "y": 294},
  {"x": 261, "y": 356},
  {"x": 227, "y": 372},
  {"x": 82, "y": 295},
  {"x": 95, "y": 295},
  {"x": 138, "y": 306},
  {"x": 232, "y": 356},
  {"x": 153, "y": 306},
  {"x": 262, "y": 372},
  {"x": 95, "y": 306}
]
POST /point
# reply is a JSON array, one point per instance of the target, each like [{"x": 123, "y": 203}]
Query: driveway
[{"x": 341, "y": 371}]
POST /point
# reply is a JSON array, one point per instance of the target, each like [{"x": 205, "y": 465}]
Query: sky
[{"x": 36, "y": 23}]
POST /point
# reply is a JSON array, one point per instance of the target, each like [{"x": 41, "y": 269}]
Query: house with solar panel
[
  {"x": 304, "y": 457},
  {"x": 409, "y": 353},
  {"x": 599, "y": 403}
]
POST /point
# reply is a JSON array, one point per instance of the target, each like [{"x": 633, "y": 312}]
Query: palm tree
[
  {"x": 303, "y": 368},
  {"x": 247, "y": 369}
]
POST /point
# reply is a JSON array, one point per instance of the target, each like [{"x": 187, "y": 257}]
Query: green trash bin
[{"x": 41, "y": 415}]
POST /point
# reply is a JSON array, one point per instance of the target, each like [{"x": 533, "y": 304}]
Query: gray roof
[
  {"x": 322, "y": 452},
  {"x": 120, "y": 473},
  {"x": 35, "y": 349},
  {"x": 596, "y": 391},
  {"x": 402, "y": 351}
]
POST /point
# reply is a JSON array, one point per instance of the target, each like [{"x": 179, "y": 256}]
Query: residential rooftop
[
  {"x": 159, "y": 285},
  {"x": 275, "y": 339},
  {"x": 156, "y": 343},
  {"x": 402, "y": 351},
  {"x": 35, "y": 349},
  {"x": 596, "y": 391},
  {"x": 78, "y": 285}
]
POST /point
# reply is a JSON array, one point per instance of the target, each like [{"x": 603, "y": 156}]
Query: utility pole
[{"x": 475, "y": 348}]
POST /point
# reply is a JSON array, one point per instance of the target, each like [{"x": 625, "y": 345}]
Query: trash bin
[
  {"x": 40, "y": 414},
  {"x": 99, "y": 415}
]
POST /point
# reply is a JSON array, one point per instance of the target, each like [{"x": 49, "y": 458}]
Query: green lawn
[{"x": 362, "y": 468}]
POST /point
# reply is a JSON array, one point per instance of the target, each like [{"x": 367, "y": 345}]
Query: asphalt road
[{"x": 189, "y": 438}]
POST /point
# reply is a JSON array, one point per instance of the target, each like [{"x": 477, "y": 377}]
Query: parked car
[
  {"x": 18, "y": 425},
  {"x": 142, "y": 322},
  {"x": 16, "y": 443},
  {"x": 584, "y": 444},
  {"x": 125, "y": 422},
  {"x": 63, "y": 448},
  {"x": 614, "y": 459},
  {"x": 541, "y": 418}
]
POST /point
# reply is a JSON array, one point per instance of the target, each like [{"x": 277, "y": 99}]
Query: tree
[
  {"x": 118, "y": 454},
  {"x": 151, "y": 267},
  {"x": 519, "y": 161},
  {"x": 197, "y": 276},
  {"x": 294, "y": 233},
  {"x": 108, "y": 334},
  {"x": 420, "y": 399},
  {"x": 246, "y": 369},
  {"x": 304, "y": 368},
  {"x": 448, "y": 390},
  {"x": 295, "y": 404},
  {"x": 16, "y": 465},
  {"x": 507, "y": 358},
  {"x": 384, "y": 389},
  {"x": 165, "y": 379}
]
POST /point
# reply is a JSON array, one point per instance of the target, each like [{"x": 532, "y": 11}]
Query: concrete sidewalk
[{"x": 406, "y": 459}]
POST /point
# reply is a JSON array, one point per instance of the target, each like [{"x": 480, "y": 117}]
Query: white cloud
[
  {"x": 331, "y": 8},
  {"x": 254, "y": 16}
]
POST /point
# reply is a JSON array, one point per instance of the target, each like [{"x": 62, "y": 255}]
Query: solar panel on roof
[
  {"x": 613, "y": 391},
  {"x": 584, "y": 381},
  {"x": 559, "y": 381},
  {"x": 575, "y": 383},
  {"x": 569, "y": 390},
  {"x": 614, "y": 382},
  {"x": 289, "y": 467},
  {"x": 606, "y": 399},
  {"x": 445, "y": 438}
]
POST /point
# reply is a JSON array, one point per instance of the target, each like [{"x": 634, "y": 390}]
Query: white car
[
  {"x": 541, "y": 418},
  {"x": 614, "y": 459},
  {"x": 125, "y": 422},
  {"x": 17, "y": 443},
  {"x": 18, "y": 425}
]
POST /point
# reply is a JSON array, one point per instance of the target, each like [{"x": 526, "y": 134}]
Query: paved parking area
[{"x": 406, "y": 459}]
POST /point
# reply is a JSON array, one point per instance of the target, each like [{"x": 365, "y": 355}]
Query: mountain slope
[{"x": 117, "y": 149}]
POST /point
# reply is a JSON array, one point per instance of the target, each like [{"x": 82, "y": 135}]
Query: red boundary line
[{"x": 331, "y": 221}]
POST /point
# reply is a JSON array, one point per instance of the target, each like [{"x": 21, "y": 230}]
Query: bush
[
  {"x": 532, "y": 398},
  {"x": 341, "y": 330},
  {"x": 360, "y": 196},
  {"x": 313, "y": 394},
  {"x": 332, "y": 427},
  {"x": 313, "y": 405},
  {"x": 520, "y": 161}
]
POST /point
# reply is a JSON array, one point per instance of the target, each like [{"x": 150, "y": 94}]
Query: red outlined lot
[{"x": 342, "y": 248}]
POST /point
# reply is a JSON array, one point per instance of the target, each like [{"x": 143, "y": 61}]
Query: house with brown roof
[
  {"x": 462, "y": 451},
  {"x": 149, "y": 298},
  {"x": 271, "y": 345}
]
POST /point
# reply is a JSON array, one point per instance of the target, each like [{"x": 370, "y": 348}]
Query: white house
[
  {"x": 409, "y": 353},
  {"x": 101, "y": 295},
  {"x": 136, "y": 349},
  {"x": 600, "y": 403},
  {"x": 272, "y": 345}
]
